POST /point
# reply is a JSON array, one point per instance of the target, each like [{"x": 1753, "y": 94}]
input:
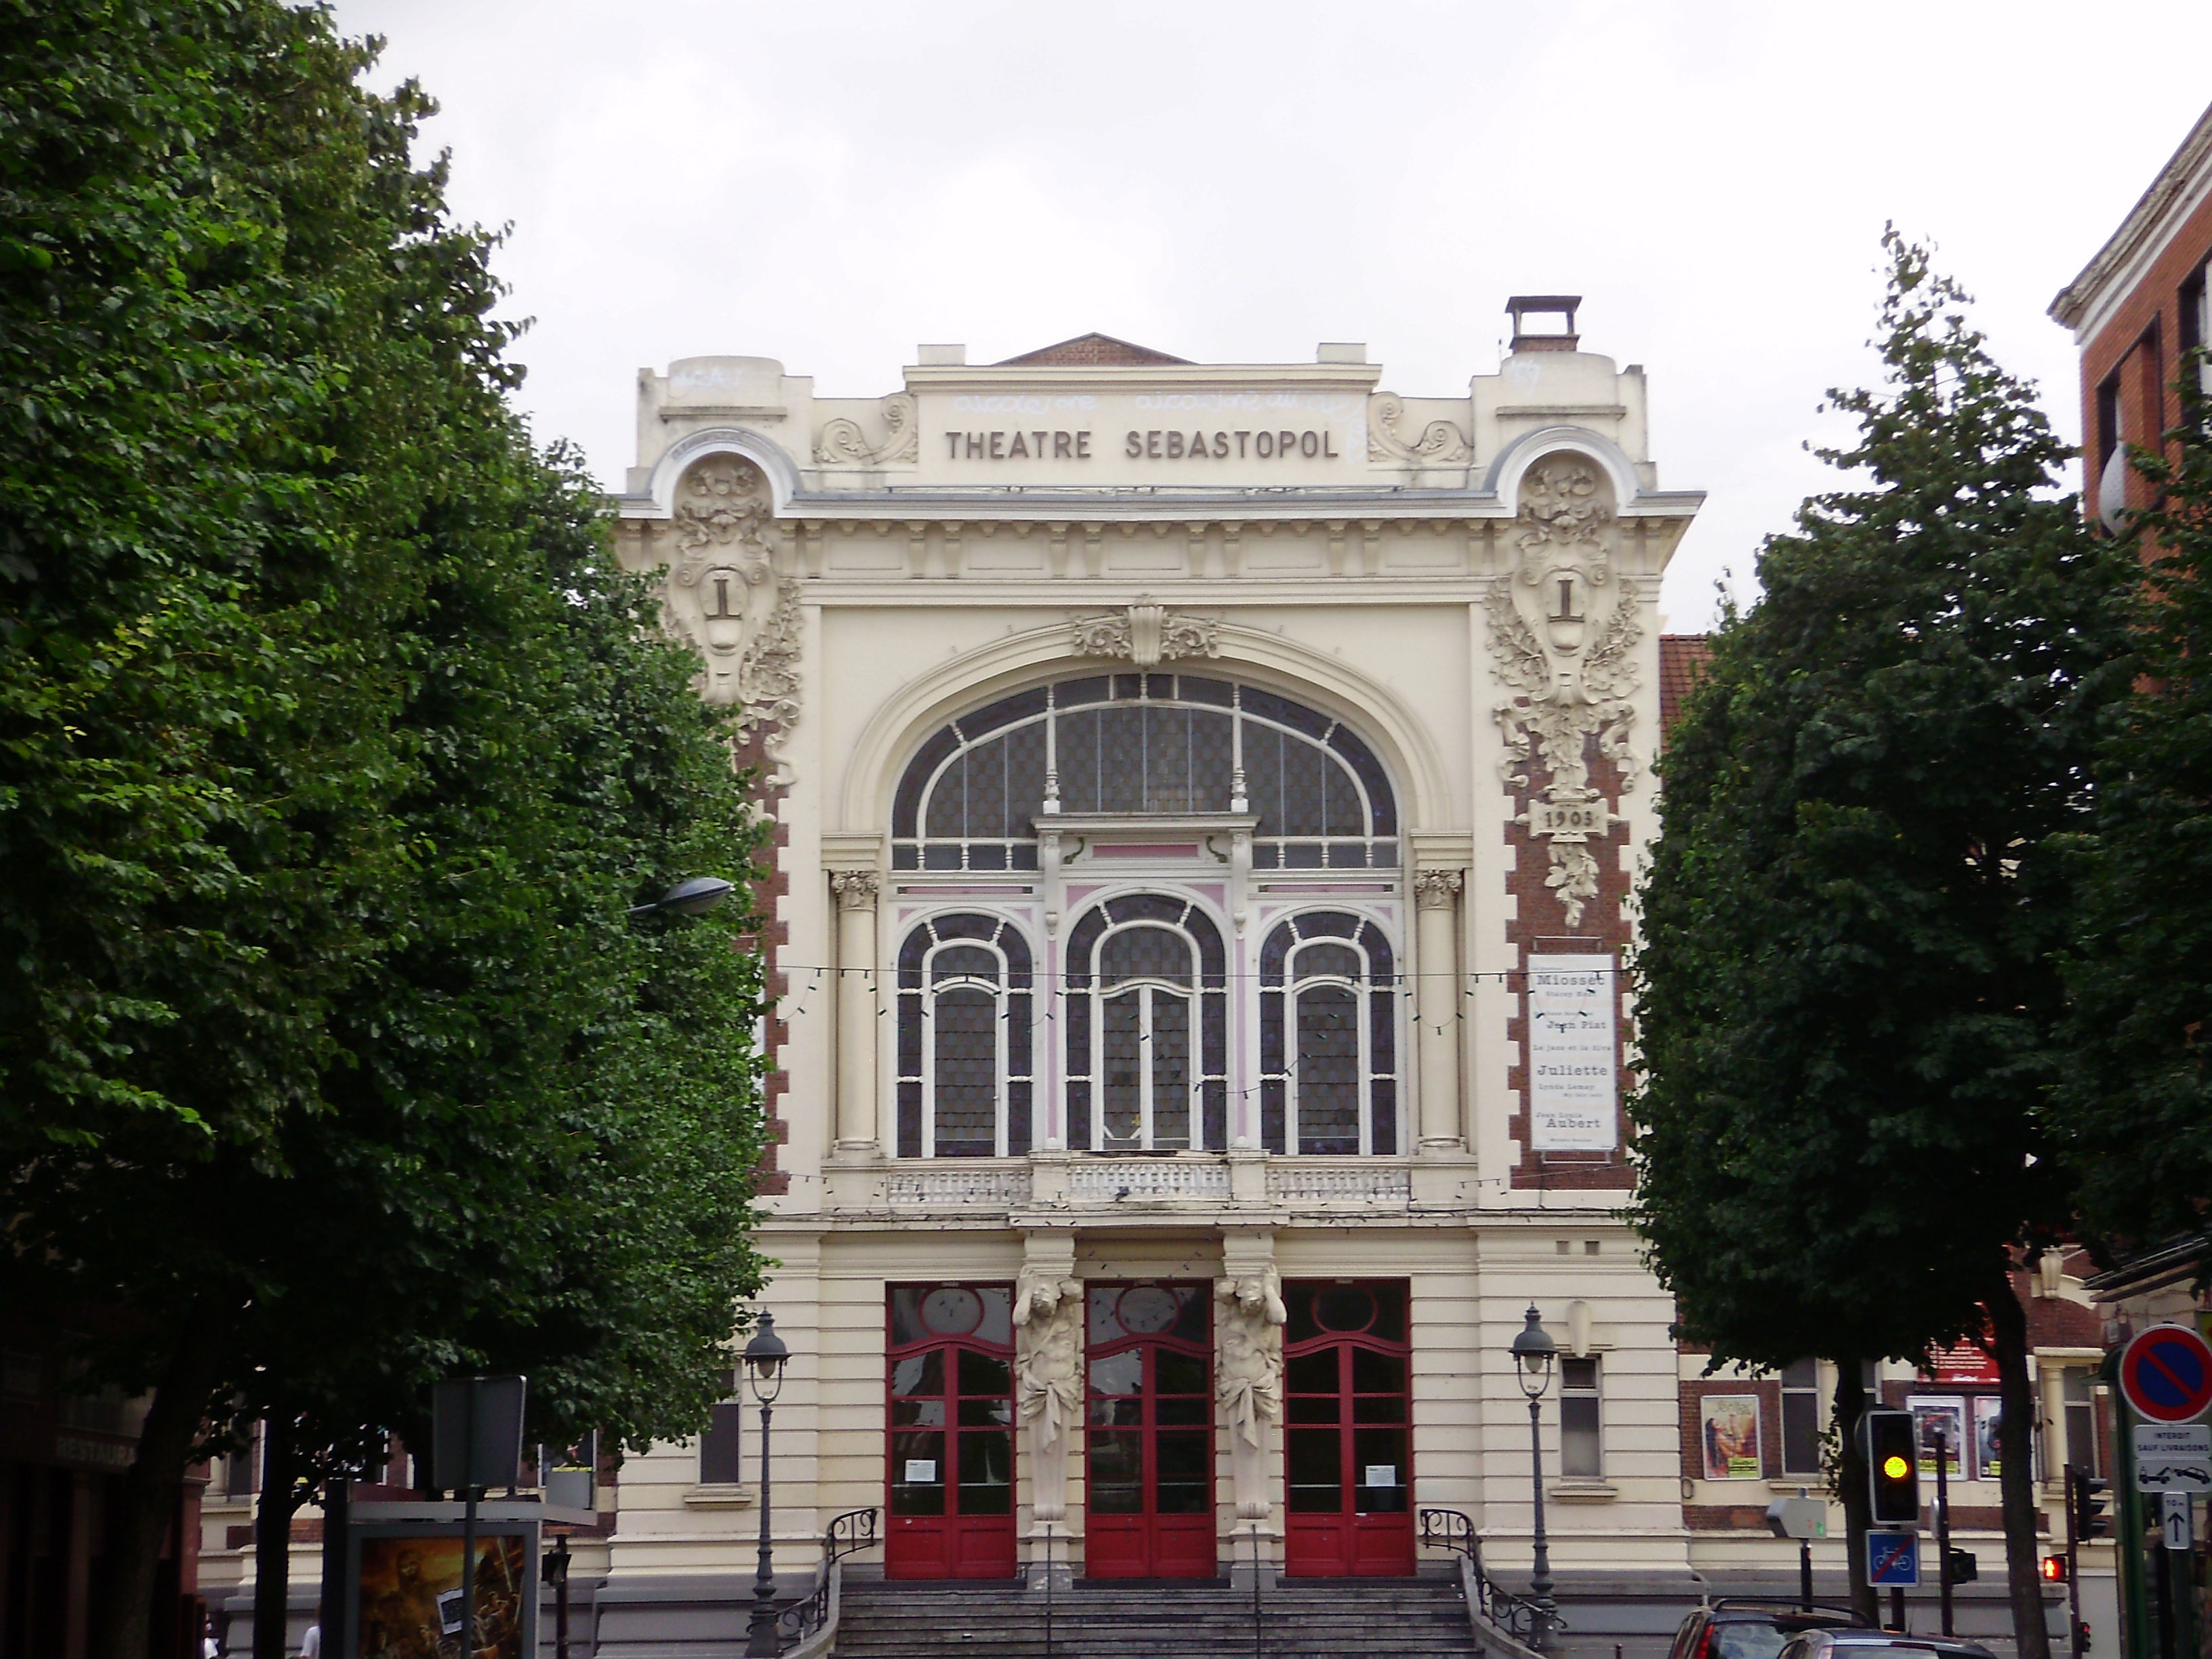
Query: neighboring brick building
[{"x": 2136, "y": 311}]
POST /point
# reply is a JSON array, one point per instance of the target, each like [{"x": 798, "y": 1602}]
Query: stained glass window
[
  {"x": 1144, "y": 744},
  {"x": 1147, "y": 1027},
  {"x": 1328, "y": 1039},
  {"x": 965, "y": 1039}
]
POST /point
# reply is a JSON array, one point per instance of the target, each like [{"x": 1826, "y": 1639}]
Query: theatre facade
[{"x": 1206, "y": 800}]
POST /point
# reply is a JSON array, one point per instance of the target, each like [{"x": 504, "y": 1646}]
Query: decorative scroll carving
[
  {"x": 843, "y": 443},
  {"x": 1437, "y": 889},
  {"x": 1147, "y": 633},
  {"x": 1572, "y": 673},
  {"x": 724, "y": 596},
  {"x": 856, "y": 890},
  {"x": 1441, "y": 443},
  {"x": 1248, "y": 1377},
  {"x": 1048, "y": 1379}
]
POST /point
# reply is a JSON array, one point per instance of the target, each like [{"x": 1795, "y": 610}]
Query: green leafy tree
[
  {"x": 1847, "y": 1002},
  {"x": 333, "y": 747},
  {"x": 2134, "y": 1110}
]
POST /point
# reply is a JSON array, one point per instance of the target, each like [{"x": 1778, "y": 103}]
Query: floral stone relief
[
  {"x": 1562, "y": 633},
  {"x": 725, "y": 595}
]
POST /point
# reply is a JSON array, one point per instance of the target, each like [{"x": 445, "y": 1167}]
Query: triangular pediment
[{"x": 1087, "y": 351}]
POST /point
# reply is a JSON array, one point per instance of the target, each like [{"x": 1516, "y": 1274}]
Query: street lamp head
[
  {"x": 765, "y": 1358},
  {"x": 1534, "y": 1355},
  {"x": 694, "y": 897}
]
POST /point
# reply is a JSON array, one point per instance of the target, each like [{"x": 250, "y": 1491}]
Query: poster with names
[{"x": 1573, "y": 1054}]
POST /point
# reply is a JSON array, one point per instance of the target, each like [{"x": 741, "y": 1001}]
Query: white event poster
[{"x": 1573, "y": 1057}]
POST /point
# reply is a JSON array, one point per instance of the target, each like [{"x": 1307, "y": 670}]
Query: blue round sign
[{"x": 2165, "y": 1373}]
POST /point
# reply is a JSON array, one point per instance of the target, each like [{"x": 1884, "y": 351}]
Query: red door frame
[
  {"x": 1348, "y": 1407},
  {"x": 949, "y": 1405},
  {"x": 1149, "y": 1419}
]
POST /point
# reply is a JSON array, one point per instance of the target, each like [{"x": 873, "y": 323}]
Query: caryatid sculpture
[
  {"x": 1248, "y": 1378},
  {"x": 1049, "y": 1380}
]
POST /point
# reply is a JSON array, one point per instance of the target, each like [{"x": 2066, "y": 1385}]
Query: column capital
[
  {"x": 856, "y": 890},
  {"x": 1437, "y": 889}
]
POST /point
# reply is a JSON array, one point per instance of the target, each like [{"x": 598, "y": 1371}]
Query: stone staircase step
[{"x": 1306, "y": 1618}]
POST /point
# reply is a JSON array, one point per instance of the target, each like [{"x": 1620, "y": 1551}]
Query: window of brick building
[{"x": 1801, "y": 1418}]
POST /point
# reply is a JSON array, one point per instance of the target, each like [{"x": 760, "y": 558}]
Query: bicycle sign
[{"x": 1894, "y": 1557}]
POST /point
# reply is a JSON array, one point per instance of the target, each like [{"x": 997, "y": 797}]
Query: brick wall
[{"x": 2142, "y": 344}]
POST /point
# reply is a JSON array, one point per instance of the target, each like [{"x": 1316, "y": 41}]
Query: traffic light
[
  {"x": 2091, "y": 1499},
  {"x": 2054, "y": 1568},
  {"x": 1892, "y": 1468},
  {"x": 1965, "y": 1568}
]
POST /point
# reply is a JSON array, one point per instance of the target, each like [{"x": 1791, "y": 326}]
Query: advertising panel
[
  {"x": 1943, "y": 1414},
  {"x": 406, "y": 1591},
  {"x": 1574, "y": 1060},
  {"x": 1728, "y": 1426}
]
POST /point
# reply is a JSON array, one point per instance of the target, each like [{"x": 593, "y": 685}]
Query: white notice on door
[
  {"x": 1381, "y": 1474},
  {"x": 1573, "y": 1058},
  {"x": 920, "y": 1471}
]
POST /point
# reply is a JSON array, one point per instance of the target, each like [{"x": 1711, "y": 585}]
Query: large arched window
[
  {"x": 963, "y": 1039},
  {"x": 1329, "y": 1037},
  {"x": 1144, "y": 744},
  {"x": 1147, "y": 1028}
]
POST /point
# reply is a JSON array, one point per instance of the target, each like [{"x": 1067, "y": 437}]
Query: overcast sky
[{"x": 831, "y": 184}]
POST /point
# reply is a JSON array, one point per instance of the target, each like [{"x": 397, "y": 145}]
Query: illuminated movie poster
[
  {"x": 1944, "y": 1415},
  {"x": 410, "y": 1587},
  {"x": 1730, "y": 1426},
  {"x": 1988, "y": 1408}
]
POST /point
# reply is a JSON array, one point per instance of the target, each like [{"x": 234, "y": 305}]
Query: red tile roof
[
  {"x": 1090, "y": 349},
  {"x": 1681, "y": 657}
]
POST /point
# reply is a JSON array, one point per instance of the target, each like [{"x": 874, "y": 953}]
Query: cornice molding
[{"x": 2181, "y": 184}]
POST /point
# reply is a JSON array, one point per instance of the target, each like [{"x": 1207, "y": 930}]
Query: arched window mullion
[
  {"x": 1310, "y": 1047},
  {"x": 965, "y": 970},
  {"x": 1186, "y": 745},
  {"x": 1146, "y": 1066}
]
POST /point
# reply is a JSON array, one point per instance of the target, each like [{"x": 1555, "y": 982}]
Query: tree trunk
[
  {"x": 1852, "y": 1477},
  {"x": 152, "y": 1499},
  {"x": 272, "y": 1538},
  {"x": 2016, "y": 1478}
]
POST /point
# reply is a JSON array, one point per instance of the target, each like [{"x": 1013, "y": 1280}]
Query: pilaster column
[
  {"x": 858, "y": 1006},
  {"x": 1436, "y": 1005}
]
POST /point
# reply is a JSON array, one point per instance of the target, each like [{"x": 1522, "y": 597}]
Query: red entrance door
[
  {"x": 1345, "y": 1363},
  {"x": 951, "y": 1432},
  {"x": 1149, "y": 1439}
]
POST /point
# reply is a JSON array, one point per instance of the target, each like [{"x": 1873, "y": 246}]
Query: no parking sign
[{"x": 2165, "y": 1372}]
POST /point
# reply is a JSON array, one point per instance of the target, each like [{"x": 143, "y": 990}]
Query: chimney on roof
[{"x": 1521, "y": 307}]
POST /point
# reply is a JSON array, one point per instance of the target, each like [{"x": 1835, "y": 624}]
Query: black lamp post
[
  {"x": 1534, "y": 1355},
  {"x": 765, "y": 1358}
]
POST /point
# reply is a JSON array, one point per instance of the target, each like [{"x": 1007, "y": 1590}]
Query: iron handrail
[
  {"x": 852, "y": 1531},
  {"x": 1451, "y": 1529}
]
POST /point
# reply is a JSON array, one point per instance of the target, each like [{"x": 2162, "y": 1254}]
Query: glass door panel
[
  {"x": 1348, "y": 1449},
  {"x": 1149, "y": 1432},
  {"x": 950, "y": 1453}
]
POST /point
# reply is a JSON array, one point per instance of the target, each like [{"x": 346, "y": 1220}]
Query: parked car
[
  {"x": 1748, "y": 1627},
  {"x": 1860, "y": 1643}
]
